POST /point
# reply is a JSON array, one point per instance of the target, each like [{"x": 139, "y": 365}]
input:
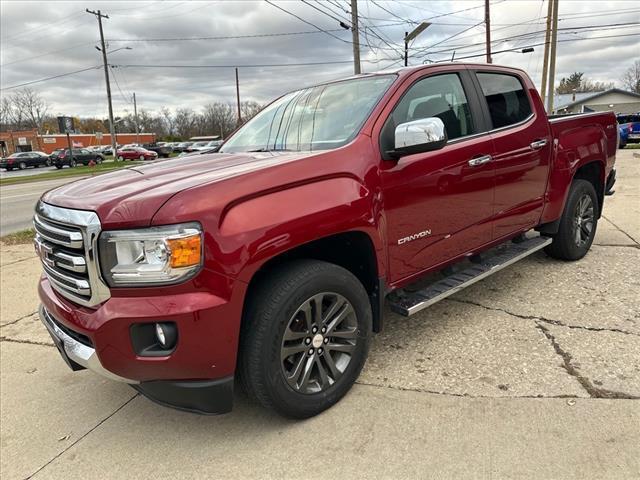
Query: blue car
[{"x": 629, "y": 127}]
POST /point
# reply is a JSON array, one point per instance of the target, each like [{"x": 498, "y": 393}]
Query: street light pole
[
  {"x": 410, "y": 36},
  {"x": 100, "y": 16}
]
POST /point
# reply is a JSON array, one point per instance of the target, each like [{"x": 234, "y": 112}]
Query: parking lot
[{"x": 532, "y": 373}]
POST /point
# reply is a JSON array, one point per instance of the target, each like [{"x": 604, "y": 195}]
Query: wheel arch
[{"x": 353, "y": 250}]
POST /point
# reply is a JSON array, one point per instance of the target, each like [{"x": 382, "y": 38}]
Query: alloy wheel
[
  {"x": 319, "y": 342},
  {"x": 583, "y": 220}
]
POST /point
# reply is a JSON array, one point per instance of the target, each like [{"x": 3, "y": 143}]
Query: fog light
[
  {"x": 166, "y": 334},
  {"x": 160, "y": 334}
]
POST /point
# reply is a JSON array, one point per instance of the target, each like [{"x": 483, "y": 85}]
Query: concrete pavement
[
  {"x": 532, "y": 373},
  {"x": 17, "y": 203}
]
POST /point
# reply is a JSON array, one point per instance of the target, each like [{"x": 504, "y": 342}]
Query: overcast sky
[{"x": 41, "y": 39}]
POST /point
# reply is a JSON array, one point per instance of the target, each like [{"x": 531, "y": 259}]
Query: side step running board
[{"x": 407, "y": 303}]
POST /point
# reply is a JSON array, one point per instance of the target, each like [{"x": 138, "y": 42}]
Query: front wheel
[
  {"x": 577, "y": 224},
  {"x": 121, "y": 158},
  {"x": 305, "y": 337},
  {"x": 72, "y": 164},
  {"x": 22, "y": 165}
]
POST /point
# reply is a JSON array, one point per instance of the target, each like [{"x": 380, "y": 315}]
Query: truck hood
[{"x": 131, "y": 196}]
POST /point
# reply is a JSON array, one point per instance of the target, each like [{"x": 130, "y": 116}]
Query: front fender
[{"x": 260, "y": 228}]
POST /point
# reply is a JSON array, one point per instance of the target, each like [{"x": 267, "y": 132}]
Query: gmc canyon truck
[{"x": 271, "y": 260}]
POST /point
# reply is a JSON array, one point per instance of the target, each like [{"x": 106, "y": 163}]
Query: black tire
[
  {"x": 22, "y": 165},
  {"x": 271, "y": 312},
  {"x": 58, "y": 166},
  {"x": 72, "y": 164},
  {"x": 622, "y": 145},
  {"x": 9, "y": 169},
  {"x": 575, "y": 234},
  {"x": 47, "y": 163},
  {"x": 98, "y": 160}
]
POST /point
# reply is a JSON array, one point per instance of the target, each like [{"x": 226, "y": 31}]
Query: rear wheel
[
  {"x": 577, "y": 224},
  {"x": 98, "y": 160},
  {"x": 141, "y": 158},
  {"x": 72, "y": 163},
  {"x": 22, "y": 165},
  {"x": 121, "y": 158},
  {"x": 306, "y": 334},
  {"x": 47, "y": 162},
  {"x": 58, "y": 166}
]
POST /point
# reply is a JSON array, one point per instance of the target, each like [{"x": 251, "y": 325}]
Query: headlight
[{"x": 151, "y": 256}]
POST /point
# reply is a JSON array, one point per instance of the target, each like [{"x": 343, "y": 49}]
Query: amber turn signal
[{"x": 185, "y": 252}]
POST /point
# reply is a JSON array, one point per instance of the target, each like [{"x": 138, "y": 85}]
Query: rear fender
[{"x": 573, "y": 149}]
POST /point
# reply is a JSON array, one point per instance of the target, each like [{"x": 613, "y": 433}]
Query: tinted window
[
  {"x": 317, "y": 118},
  {"x": 506, "y": 98},
  {"x": 440, "y": 96}
]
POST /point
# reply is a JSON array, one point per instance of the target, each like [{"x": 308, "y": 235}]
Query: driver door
[{"x": 438, "y": 204}]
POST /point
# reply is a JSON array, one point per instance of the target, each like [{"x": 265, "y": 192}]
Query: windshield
[{"x": 317, "y": 118}]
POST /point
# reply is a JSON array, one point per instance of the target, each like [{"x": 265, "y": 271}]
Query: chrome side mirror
[{"x": 423, "y": 135}]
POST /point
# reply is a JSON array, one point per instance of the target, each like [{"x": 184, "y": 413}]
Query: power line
[
  {"x": 253, "y": 65},
  {"x": 223, "y": 37},
  {"x": 307, "y": 22},
  {"x": 51, "y": 78}
]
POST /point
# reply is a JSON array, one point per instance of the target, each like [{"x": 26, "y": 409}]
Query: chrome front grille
[{"x": 66, "y": 242}]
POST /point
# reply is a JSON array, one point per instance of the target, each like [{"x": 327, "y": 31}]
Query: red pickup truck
[{"x": 270, "y": 261}]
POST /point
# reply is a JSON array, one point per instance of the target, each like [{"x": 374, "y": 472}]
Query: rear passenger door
[{"x": 522, "y": 150}]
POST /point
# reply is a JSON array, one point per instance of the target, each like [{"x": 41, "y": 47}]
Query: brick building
[
  {"x": 29, "y": 140},
  {"x": 49, "y": 143}
]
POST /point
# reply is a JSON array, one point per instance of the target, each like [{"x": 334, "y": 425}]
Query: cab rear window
[{"x": 506, "y": 98}]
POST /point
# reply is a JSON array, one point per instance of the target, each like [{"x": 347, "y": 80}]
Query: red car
[
  {"x": 136, "y": 153},
  {"x": 271, "y": 261}
]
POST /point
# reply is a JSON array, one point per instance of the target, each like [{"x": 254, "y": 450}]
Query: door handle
[
  {"x": 538, "y": 144},
  {"x": 474, "y": 162}
]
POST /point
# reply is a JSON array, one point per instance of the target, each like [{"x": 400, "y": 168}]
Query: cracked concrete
[{"x": 539, "y": 363}]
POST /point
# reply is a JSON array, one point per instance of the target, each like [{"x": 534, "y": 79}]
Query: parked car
[
  {"x": 196, "y": 146},
  {"x": 271, "y": 260},
  {"x": 163, "y": 150},
  {"x": 203, "y": 151},
  {"x": 181, "y": 147},
  {"x": 629, "y": 126},
  {"x": 22, "y": 160},
  {"x": 136, "y": 153},
  {"x": 63, "y": 156}
]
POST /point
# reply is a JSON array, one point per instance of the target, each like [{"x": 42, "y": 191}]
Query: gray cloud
[{"x": 31, "y": 29}]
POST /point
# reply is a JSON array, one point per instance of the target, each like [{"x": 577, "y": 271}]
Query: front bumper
[
  {"x": 78, "y": 355},
  {"x": 197, "y": 376}
]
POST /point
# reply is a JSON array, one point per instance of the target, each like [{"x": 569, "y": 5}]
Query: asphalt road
[
  {"x": 28, "y": 172},
  {"x": 532, "y": 373},
  {"x": 18, "y": 201}
]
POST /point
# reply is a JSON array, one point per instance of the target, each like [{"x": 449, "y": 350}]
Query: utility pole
[
  {"x": 238, "y": 98},
  {"x": 100, "y": 16},
  {"x": 552, "y": 60},
  {"x": 547, "y": 39},
  {"x": 355, "y": 38},
  {"x": 487, "y": 22},
  {"x": 135, "y": 114}
]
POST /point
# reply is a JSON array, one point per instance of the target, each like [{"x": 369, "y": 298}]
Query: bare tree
[
  {"x": 31, "y": 106},
  {"x": 185, "y": 121},
  {"x": 631, "y": 77}
]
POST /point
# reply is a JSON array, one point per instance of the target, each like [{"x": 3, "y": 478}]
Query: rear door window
[{"x": 506, "y": 98}]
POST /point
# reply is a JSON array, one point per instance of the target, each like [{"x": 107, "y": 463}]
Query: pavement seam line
[
  {"x": 550, "y": 321},
  {"x": 593, "y": 391},
  {"x": 80, "y": 438},
  {"x": 25, "y": 342},
  {"x": 621, "y": 230},
  {"x": 459, "y": 395},
  {"x": 637, "y": 247},
  {"x": 18, "y": 261},
  {"x": 13, "y": 322}
]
